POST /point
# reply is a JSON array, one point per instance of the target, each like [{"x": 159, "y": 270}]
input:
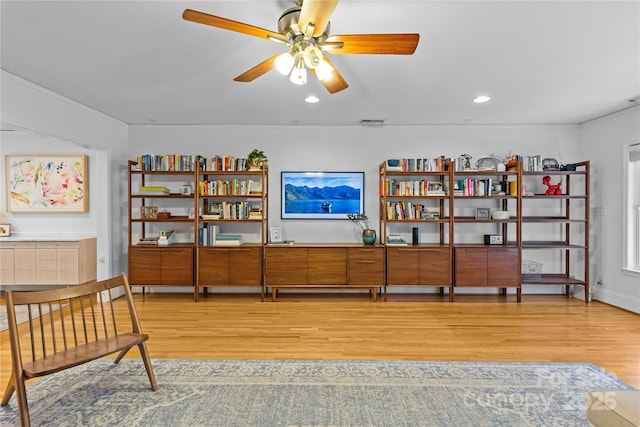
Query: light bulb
[
  {"x": 324, "y": 70},
  {"x": 298, "y": 76},
  {"x": 312, "y": 56},
  {"x": 284, "y": 63}
]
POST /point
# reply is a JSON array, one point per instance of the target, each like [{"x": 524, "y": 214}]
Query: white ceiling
[{"x": 542, "y": 62}]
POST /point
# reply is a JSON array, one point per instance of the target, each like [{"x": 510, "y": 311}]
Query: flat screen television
[{"x": 321, "y": 195}]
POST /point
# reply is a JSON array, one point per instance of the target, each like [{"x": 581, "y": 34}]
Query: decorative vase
[{"x": 369, "y": 237}]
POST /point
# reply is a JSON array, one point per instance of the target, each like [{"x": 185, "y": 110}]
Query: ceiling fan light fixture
[
  {"x": 324, "y": 70},
  {"x": 284, "y": 63},
  {"x": 299, "y": 73}
]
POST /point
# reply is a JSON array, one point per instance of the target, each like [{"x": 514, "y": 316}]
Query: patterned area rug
[{"x": 314, "y": 393}]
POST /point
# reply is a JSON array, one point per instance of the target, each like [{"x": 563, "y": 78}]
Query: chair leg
[
  {"x": 19, "y": 388},
  {"x": 11, "y": 387},
  {"x": 121, "y": 355},
  {"x": 147, "y": 364}
]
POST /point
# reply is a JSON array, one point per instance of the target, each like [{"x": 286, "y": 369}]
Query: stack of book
[
  {"x": 153, "y": 190},
  {"x": 148, "y": 241},
  {"x": 228, "y": 240},
  {"x": 396, "y": 240}
]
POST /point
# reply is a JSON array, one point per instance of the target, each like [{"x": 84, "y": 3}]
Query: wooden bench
[{"x": 68, "y": 327}]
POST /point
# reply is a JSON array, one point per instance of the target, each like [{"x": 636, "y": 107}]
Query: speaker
[{"x": 414, "y": 236}]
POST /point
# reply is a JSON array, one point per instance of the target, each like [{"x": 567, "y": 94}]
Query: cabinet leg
[
  {"x": 274, "y": 294},
  {"x": 519, "y": 294}
]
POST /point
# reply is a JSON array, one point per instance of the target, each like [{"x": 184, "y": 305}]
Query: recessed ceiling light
[
  {"x": 312, "y": 99},
  {"x": 482, "y": 98}
]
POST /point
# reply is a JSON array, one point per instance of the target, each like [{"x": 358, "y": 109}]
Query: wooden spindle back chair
[{"x": 68, "y": 327}]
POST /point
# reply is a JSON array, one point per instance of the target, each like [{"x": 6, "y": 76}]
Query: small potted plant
[
  {"x": 256, "y": 160},
  {"x": 362, "y": 221}
]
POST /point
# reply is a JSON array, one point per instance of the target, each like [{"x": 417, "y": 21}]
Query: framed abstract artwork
[{"x": 47, "y": 183}]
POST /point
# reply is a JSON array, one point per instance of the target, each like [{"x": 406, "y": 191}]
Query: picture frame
[
  {"x": 186, "y": 190},
  {"x": 483, "y": 213},
  {"x": 435, "y": 187},
  {"x": 39, "y": 183},
  {"x": 275, "y": 234},
  {"x": 321, "y": 195},
  {"x": 5, "y": 230}
]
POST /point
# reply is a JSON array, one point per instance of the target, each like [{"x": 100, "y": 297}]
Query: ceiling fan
[{"x": 304, "y": 30}]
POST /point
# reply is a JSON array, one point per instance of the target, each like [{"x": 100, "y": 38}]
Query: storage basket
[{"x": 531, "y": 269}]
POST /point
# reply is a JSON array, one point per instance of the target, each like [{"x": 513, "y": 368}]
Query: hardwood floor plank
[{"x": 545, "y": 328}]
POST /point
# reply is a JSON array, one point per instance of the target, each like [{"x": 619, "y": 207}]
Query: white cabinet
[{"x": 48, "y": 262}]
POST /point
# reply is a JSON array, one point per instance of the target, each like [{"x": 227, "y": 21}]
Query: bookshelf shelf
[
  {"x": 231, "y": 196},
  {"x": 557, "y": 228},
  {"x": 151, "y": 264},
  {"x": 409, "y": 208}
]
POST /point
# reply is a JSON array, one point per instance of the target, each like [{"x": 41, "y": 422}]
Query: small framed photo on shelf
[
  {"x": 434, "y": 188},
  {"x": 186, "y": 190},
  {"x": 5, "y": 230},
  {"x": 483, "y": 213},
  {"x": 275, "y": 234}
]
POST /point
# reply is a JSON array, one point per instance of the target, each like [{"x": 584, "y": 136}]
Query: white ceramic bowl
[{"x": 500, "y": 214}]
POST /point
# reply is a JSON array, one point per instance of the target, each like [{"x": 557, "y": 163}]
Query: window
[{"x": 632, "y": 207}]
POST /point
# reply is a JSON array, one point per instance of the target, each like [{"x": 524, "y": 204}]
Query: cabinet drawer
[
  {"x": 285, "y": 266},
  {"x": 375, "y": 254},
  {"x": 366, "y": 272},
  {"x": 327, "y": 266},
  {"x": 56, "y": 245},
  {"x": 171, "y": 266},
  {"x": 403, "y": 266},
  {"x": 229, "y": 266},
  {"x": 245, "y": 266},
  {"x": 17, "y": 245},
  {"x": 471, "y": 266},
  {"x": 435, "y": 266},
  {"x": 503, "y": 266},
  {"x": 176, "y": 266},
  {"x": 213, "y": 266}
]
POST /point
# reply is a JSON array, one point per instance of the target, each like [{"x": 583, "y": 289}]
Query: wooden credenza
[
  {"x": 324, "y": 266},
  {"x": 48, "y": 262}
]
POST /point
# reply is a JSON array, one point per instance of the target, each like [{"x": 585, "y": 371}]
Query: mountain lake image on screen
[{"x": 321, "y": 195}]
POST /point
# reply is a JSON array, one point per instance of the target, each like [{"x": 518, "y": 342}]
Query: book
[
  {"x": 148, "y": 241},
  {"x": 228, "y": 240},
  {"x": 153, "y": 190},
  {"x": 396, "y": 239}
]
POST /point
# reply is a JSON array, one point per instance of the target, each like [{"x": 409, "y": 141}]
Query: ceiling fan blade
[
  {"x": 318, "y": 13},
  {"x": 334, "y": 84},
  {"x": 228, "y": 24},
  {"x": 379, "y": 44},
  {"x": 260, "y": 69}
]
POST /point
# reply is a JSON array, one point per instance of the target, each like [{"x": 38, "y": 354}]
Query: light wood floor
[{"x": 422, "y": 327}]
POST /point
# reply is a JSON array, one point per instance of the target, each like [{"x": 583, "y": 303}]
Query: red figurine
[{"x": 552, "y": 190}]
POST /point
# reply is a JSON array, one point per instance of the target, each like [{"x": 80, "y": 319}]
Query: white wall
[
  {"x": 602, "y": 141},
  {"x": 50, "y": 123}
]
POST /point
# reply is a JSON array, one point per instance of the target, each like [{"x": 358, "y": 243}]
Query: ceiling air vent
[{"x": 371, "y": 123}]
